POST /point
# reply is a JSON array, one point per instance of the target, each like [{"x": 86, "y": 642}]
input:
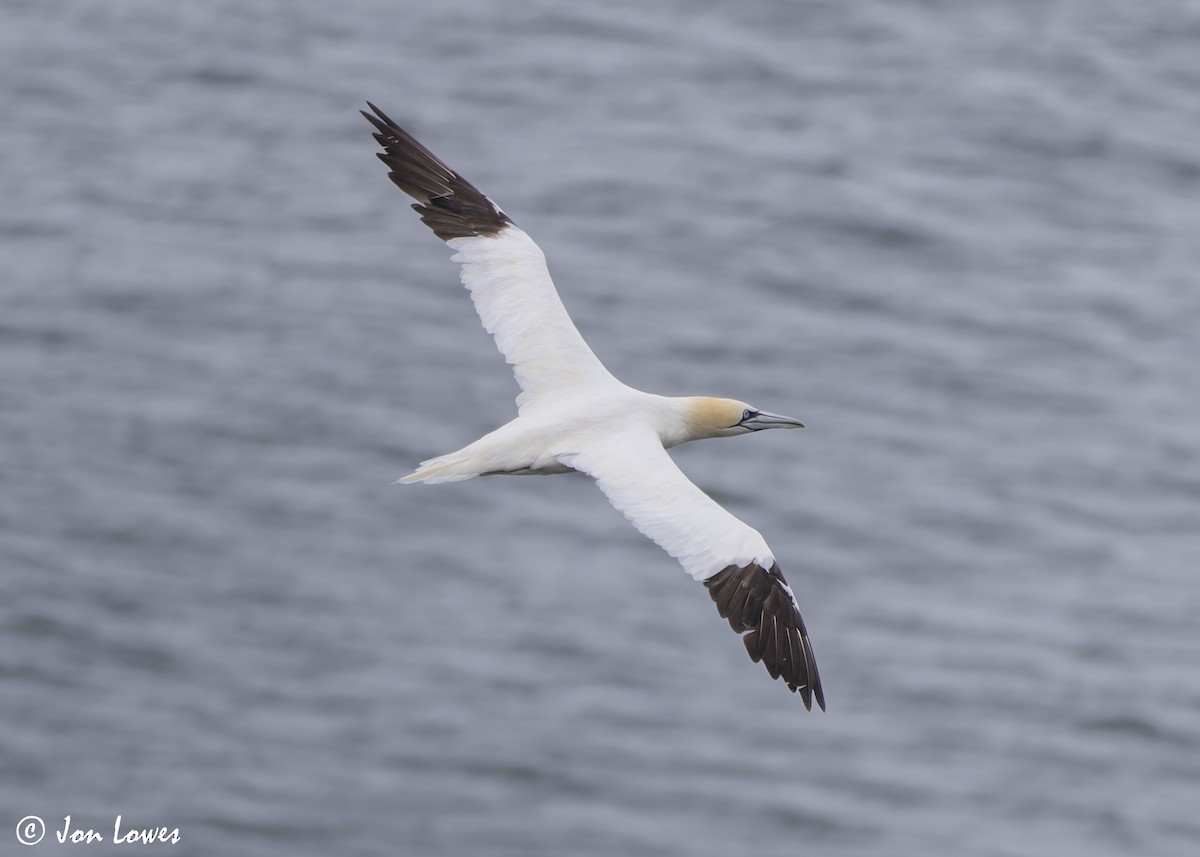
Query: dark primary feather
[
  {"x": 754, "y": 599},
  {"x": 448, "y": 204}
]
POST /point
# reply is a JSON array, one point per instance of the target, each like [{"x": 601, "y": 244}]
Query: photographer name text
[{"x": 32, "y": 829}]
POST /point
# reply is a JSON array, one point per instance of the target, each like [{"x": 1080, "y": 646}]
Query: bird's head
[{"x": 728, "y": 417}]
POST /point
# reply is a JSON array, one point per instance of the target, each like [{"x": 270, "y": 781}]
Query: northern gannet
[{"x": 572, "y": 414}]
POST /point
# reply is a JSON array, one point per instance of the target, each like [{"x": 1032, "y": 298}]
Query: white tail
[{"x": 445, "y": 468}]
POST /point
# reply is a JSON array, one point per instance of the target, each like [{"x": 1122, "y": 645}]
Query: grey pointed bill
[{"x": 763, "y": 420}]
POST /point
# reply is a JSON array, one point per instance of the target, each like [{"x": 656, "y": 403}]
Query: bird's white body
[
  {"x": 619, "y": 438},
  {"x": 573, "y": 415},
  {"x": 537, "y": 441}
]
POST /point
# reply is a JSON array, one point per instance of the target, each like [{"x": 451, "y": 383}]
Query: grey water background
[{"x": 958, "y": 240}]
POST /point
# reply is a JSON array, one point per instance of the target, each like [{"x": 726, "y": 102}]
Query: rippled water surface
[{"x": 960, "y": 244}]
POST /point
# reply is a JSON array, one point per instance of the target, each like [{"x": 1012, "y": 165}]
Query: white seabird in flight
[{"x": 572, "y": 414}]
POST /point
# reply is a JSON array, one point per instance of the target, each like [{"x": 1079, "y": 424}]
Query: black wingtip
[
  {"x": 757, "y": 599},
  {"x": 387, "y": 120},
  {"x": 449, "y": 205}
]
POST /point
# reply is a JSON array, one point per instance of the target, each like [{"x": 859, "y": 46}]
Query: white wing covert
[{"x": 502, "y": 267}]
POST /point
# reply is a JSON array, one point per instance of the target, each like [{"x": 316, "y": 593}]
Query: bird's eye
[{"x": 747, "y": 414}]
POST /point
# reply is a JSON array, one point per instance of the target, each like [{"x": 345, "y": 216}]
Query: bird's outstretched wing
[
  {"x": 732, "y": 559},
  {"x": 504, "y": 270}
]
